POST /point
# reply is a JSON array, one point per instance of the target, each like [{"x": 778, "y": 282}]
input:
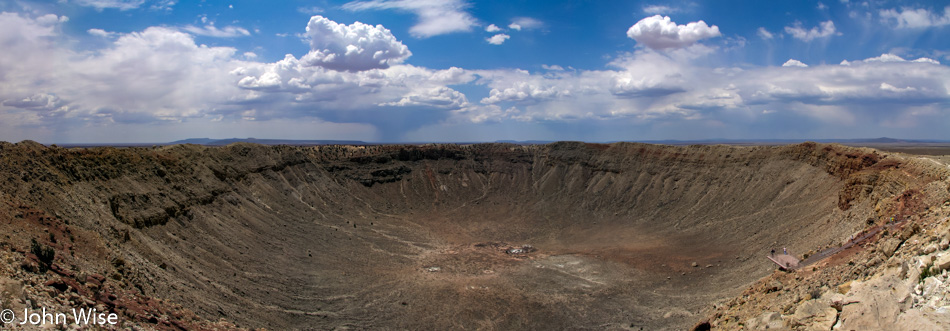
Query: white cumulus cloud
[
  {"x": 438, "y": 97},
  {"x": 40, "y": 101},
  {"x": 497, "y": 39},
  {"x": 764, "y": 34},
  {"x": 915, "y": 18},
  {"x": 159, "y": 79},
  {"x": 115, "y": 4},
  {"x": 649, "y": 86},
  {"x": 926, "y": 60},
  {"x": 659, "y": 32},
  {"x": 888, "y": 57},
  {"x": 827, "y": 28},
  {"x": 523, "y": 91},
  {"x": 267, "y": 81},
  {"x": 892, "y": 88},
  {"x": 354, "y": 47},
  {"x": 142, "y": 80},
  {"x": 165, "y": 5},
  {"x": 492, "y": 28},
  {"x": 51, "y": 19},
  {"x": 100, "y": 33},
  {"x": 435, "y": 17},
  {"x": 794, "y": 63}
]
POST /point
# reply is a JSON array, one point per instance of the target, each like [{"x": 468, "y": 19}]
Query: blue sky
[{"x": 113, "y": 71}]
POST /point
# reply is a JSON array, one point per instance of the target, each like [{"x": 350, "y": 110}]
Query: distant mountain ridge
[
  {"x": 881, "y": 140},
  {"x": 223, "y": 142}
]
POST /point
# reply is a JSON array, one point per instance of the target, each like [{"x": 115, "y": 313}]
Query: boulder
[
  {"x": 93, "y": 283},
  {"x": 58, "y": 284},
  {"x": 773, "y": 320},
  {"x": 931, "y": 285},
  {"x": 930, "y": 248},
  {"x": 814, "y": 315},
  {"x": 773, "y": 286},
  {"x": 96, "y": 278},
  {"x": 868, "y": 307},
  {"x": 767, "y": 320},
  {"x": 943, "y": 262},
  {"x": 923, "y": 320},
  {"x": 889, "y": 246},
  {"x": 61, "y": 271},
  {"x": 107, "y": 298},
  {"x": 902, "y": 270},
  {"x": 906, "y": 301},
  {"x": 909, "y": 231},
  {"x": 844, "y": 288}
]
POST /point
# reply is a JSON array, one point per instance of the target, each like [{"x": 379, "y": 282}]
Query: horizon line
[{"x": 315, "y": 142}]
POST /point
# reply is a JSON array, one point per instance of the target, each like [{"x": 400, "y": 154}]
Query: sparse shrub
[
  {"x": 815, "y": 293},
  {"x": 927, "y": 272},
  {"x": 44, "y": 253}
]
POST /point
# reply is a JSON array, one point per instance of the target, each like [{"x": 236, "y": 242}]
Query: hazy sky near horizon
[{"x": 100, "y": 71}]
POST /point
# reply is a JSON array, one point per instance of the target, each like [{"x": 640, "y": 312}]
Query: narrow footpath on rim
[{"x": 789, "y": 262}]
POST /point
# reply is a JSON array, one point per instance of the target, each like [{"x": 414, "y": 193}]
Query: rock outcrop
[{"x": 908, "y": 290}]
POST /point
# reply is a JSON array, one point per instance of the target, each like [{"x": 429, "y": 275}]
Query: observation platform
[{"x": 785, "y": 261}]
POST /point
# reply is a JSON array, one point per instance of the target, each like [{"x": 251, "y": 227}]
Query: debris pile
[{"x": 524, "y": 249}]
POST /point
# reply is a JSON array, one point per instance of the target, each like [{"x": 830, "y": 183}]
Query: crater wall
[{"x": 619, "y": 235}]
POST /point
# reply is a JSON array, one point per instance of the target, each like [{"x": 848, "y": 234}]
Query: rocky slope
[
  {"x": 896, "y": 279},
  {"x": 566, "y": 235}
]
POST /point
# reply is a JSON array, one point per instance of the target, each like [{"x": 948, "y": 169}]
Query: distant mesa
[
  {"x": 526, "y": 142},
  {"x": 886, "y": 140}
]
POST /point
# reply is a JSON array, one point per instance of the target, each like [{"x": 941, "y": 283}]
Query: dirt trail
[{"x": 861, "y": 238}]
